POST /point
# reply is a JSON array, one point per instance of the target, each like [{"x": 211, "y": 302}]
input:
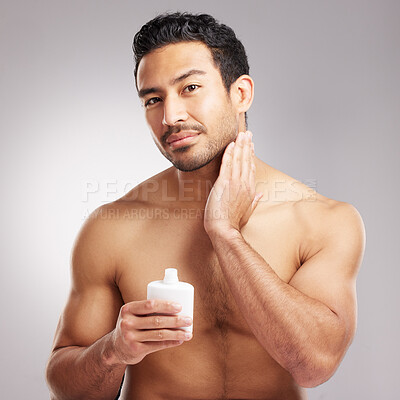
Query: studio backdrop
[{"x": 73, "y": 137}]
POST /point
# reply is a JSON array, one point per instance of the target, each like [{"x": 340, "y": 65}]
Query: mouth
[{"x": 180, "y": 139}]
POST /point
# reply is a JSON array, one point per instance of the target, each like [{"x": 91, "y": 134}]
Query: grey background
[{"x": 73, "y": 137}]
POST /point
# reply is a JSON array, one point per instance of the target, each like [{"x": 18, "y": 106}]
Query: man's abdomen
[{"x": 221, "y": 365}]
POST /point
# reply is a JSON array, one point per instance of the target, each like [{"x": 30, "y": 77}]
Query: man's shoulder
[
  {"x": 151, "y": 191},
  {"x": 316, "y": 221},
  {"x": 306, "y": 204},
  {"x": 326, "y": 212},
  {"x": 108, "y": 233},
  {"x": 328, "y": 223},
  {"x": 130, "y": 212}
]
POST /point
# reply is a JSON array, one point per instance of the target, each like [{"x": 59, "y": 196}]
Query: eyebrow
[{"x": 174, "y": 81}]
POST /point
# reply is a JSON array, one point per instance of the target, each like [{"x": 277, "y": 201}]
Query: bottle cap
[{"x": 171, "y": 275}]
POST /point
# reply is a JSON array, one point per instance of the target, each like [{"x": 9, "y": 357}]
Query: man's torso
[{"x": 223, "y": 360}]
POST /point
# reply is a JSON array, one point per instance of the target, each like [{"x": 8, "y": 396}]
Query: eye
[
  {"x": 152, "y": 101},
  {"x": 191, "y": 88}
]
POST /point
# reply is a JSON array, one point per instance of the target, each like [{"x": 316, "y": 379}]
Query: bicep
[
  {"x": 88, "y": 315},
  {"x": 330, "y": 275},
  {"x": 94, "y": 301}
]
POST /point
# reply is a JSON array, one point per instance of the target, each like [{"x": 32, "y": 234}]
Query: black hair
[{"x": 227, "y": 51}]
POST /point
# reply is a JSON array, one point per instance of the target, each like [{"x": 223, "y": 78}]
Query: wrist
[
  {"x": 223, "y": 233},
  {"x": 109, "y": 353}
]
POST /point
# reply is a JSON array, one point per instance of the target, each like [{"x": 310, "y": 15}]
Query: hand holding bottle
[{"x": 139, "y": 333}]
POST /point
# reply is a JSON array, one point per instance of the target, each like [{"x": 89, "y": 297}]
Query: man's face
[{"x": 189, "y": 112}]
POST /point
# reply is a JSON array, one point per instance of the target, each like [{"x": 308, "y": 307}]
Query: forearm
[
  {"x": 300, "y": 333},
  {"x": 84, "y": 372}
]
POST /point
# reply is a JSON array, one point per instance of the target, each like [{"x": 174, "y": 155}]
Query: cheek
[
  {"x": 154, "y": 121},
  {"x": 205, "y": 109}
]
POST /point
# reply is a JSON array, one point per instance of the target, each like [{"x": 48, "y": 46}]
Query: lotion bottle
[{"x": 170, "y": 288}]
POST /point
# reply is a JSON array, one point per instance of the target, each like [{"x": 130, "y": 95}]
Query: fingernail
[
  {"x": 188, "y": 335},
  {"x": 187, "y": 320},
  {"x": 176, "y": 306}
]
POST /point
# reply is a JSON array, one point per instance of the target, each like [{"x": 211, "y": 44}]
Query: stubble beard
[{"x": 226, "y": 132}]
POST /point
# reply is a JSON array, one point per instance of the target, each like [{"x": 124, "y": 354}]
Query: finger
[
  {"x": 162, "y": 321},
  {"x": 226, "y": 164},
  {"x": 159, "y": 335},
  {"x": 237, "y": 157},
  {"x": 252, "y": 176},
  {"x": 152, "y": 347},
  {"x": 143, "y": 307},
  {"x": 246, "y": 158}
]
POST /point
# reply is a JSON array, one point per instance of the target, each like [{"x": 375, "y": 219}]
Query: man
[{"x": 274, "y": 271}]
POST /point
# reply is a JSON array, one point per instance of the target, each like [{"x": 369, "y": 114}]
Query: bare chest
[
  {"x": 183, "y": 244},
  {"x": 226, "y": 351}
]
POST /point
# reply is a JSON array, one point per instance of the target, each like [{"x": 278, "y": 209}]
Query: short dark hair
[{"x": 227, "y": 51}]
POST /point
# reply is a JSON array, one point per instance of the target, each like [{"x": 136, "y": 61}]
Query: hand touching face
[{"x": 233, "y": 197}]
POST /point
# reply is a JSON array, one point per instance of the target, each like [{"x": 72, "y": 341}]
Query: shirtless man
[{"x": 273, "y": 264}]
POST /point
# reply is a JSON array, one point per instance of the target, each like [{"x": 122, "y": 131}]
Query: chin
[{"x": 190, "y": 164}]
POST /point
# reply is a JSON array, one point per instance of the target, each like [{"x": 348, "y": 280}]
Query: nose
[{"x": 174, "y": 111}]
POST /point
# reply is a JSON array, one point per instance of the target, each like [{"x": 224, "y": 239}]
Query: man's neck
[{"x": 195, "y": 186}]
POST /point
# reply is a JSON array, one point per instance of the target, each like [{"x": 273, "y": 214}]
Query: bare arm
[
  {"x": 80, "y": 365},
  {"x": 306, "y": 331},
  {"x": 98, "y": 336},
  {"x": 308, "y": 324},
  {"x": 79, "y": 372}
]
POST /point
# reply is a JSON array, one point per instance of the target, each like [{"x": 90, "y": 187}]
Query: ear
[{"x": 242, "y": 93}]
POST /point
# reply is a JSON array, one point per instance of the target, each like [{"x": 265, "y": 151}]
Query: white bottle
[{"x": 171, "y": 289}]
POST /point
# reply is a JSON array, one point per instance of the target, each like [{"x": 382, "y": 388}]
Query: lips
[{"x": 179, "y": 136}]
